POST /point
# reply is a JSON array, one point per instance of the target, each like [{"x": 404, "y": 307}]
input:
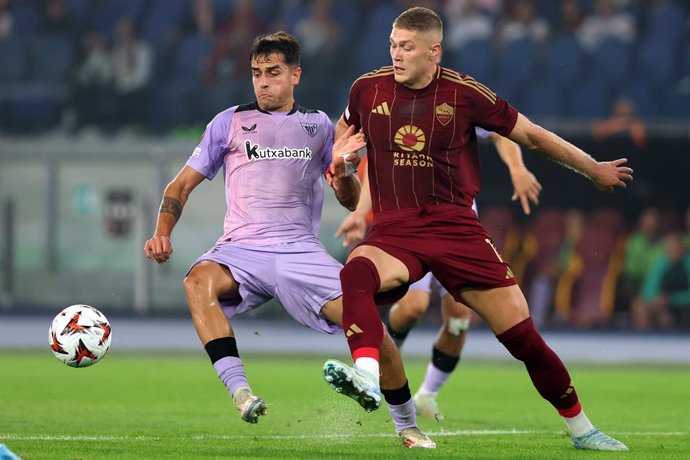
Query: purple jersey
[{"x": 273, "y": 171}]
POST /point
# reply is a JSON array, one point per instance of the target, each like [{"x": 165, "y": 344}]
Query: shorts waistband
[{"x": 426, "y": 210}]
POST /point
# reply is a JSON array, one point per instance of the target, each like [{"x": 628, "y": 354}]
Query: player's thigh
[
  {"x": 209, "y": 277},
  {"x": 392, "y": 271},
  {"x": 500, "y": 307},
  {"x": 450, "y": 308}
]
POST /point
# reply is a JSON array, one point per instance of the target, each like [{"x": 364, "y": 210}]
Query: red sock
[
  {"x": 548, "y": 374},
  {"x": 361, "y": 320}
]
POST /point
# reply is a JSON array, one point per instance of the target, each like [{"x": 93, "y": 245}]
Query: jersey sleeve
[
  {"x": 328, "y": 143},
  {"x": 208, "y": 156},
  {"x": 351, "y": 114},
  {"x": 490, "y": 111}
]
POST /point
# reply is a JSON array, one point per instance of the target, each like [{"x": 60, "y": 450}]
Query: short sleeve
[
  {"x": 351, "y": 114},
  {"x": 329, "y": 137},
  {"x": 490, "y": 111},
  {"x": 208, "y": 157}
]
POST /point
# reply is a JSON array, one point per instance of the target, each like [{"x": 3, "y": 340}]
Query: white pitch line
[{"x": 201, "y": 437}]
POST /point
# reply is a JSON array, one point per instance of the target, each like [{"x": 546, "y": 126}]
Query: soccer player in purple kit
[
  {"x": 423, "y": 220},
  {"x": 275, "y": 154}
]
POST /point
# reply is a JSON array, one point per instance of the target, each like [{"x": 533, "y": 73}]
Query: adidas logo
[
  {"x": 352, "y": 330},
  {"x": 382, "y": 109}
]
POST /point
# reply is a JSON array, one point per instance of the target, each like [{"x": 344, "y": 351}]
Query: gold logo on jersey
[
  {"x": 382, "y": 109},
  {"x": 444, "y": 113},
  {"x": 410, "y": 138}
]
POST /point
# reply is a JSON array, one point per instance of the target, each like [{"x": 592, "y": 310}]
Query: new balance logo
[
  {"x": 352, "y": 330},
  {"x": 382, "y": 109}
]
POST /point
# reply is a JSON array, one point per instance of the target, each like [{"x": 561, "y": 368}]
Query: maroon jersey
[{"x": 421, "y": 143}]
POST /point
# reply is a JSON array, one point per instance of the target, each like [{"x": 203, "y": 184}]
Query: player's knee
[
  {"x": 360, "y": 274},
  {"x": 195, "y": 283}
]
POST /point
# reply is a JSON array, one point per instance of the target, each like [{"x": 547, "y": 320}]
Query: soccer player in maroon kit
[{"x": 419, "y": 119}]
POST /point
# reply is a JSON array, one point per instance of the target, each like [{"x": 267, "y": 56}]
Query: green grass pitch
[{"x": 173, "y": 406}]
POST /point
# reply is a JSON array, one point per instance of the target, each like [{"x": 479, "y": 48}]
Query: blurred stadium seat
[{"x": 474, "y": 59}]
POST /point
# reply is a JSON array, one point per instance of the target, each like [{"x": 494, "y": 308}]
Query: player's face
[
  {"x": 274, "y": 82},
  {"x": 415, "y": 55}
]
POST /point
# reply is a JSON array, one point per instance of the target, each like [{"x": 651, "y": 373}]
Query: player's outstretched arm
[
  {"x": 526, "y": 187},
  {"x": 344, "y": 165},
  {"x": 158, "y": 247},
  {"x": 604, "y": 174}
]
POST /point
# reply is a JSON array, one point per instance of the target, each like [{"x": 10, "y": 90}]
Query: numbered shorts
[
  {"x": 302, "y": 276},
  {"x": 447, "y": 240}
]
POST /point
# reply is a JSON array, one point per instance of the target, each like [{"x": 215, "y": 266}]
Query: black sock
[
  {"x": 399, "y": 396},
  {"x": 220, "y": 348},
  {"x": 442, "y": 361}
]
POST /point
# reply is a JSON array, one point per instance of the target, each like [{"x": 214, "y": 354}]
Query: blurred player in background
[
  {"x": 274, "y": 154},
  {"x": 423, "y": 176},
  {"x": 405, "y": 314}
]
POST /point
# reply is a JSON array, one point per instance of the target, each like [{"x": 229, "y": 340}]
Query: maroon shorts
[{"x": 447, "y": 240}]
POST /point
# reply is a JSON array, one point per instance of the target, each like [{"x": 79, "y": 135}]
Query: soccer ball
[{"x": 80, "y": 336}]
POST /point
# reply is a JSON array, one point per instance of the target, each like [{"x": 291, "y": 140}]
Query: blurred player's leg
[
  {"x": 203, "y": 286},
  {"x": 445, "y": 356},
  {"x": 406, "y": 313}
]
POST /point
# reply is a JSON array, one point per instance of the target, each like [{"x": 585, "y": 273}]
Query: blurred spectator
[
  {"x": 132, "y": 62},
  {"x": 665, "y": 298},
  {"x": 92, "y": 87},
  {"x": 570, "y": 17},
  {"x": 686, "y": 237},
  {"x": 542, "y": 290},
  {"x": 228, "y": 59},
  {"x": 320, "y": 37},
  {"x": 55, "y": 18},
  {"x": 465, "y": 22},
  {"x": 6, "y": 19},
  {"x": 641, "y": 252},
  {"x": 523, "y": 23},
  {"x": 622, "y": 122},
  {"x": 608, "y": 22},
  {"x": 318, "y": 33},
  {"x": 200, "y": 21}
]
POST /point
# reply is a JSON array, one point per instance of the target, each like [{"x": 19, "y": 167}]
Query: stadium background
[{"x": 83, "y": 162}]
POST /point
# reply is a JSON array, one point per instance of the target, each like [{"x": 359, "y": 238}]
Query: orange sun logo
[{"x": 410, "y": 138}]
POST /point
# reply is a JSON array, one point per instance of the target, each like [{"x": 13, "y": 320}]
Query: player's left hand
[
  {"x": 526, "y": 188},
  {"x": 610, "y": 174}
]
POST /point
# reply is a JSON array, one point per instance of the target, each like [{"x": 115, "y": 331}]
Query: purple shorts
[{"x": 302, "y": 276}]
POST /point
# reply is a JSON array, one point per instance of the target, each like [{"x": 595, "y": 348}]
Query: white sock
[
  {"x": 579, "y": 424},
  {"x": 370, "y": 365}
]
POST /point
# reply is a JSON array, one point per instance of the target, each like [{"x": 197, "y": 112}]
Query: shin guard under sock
[{"x": 548, "y": 374}]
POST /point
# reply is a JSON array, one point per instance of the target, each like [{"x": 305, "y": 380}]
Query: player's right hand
[
  {"x": 158, "y": 248},
  {"x": 352, "y": 229}
]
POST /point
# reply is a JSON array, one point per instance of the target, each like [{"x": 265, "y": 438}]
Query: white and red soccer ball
[{"x": 80, "y": 336}]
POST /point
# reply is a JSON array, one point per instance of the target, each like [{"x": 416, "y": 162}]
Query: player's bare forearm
[
  {"x": 347, "y": 191},
  {"x": 158, "y": 247},
  {"x": 526, "y": 187},
  {"x": 604, "y": 175}
]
